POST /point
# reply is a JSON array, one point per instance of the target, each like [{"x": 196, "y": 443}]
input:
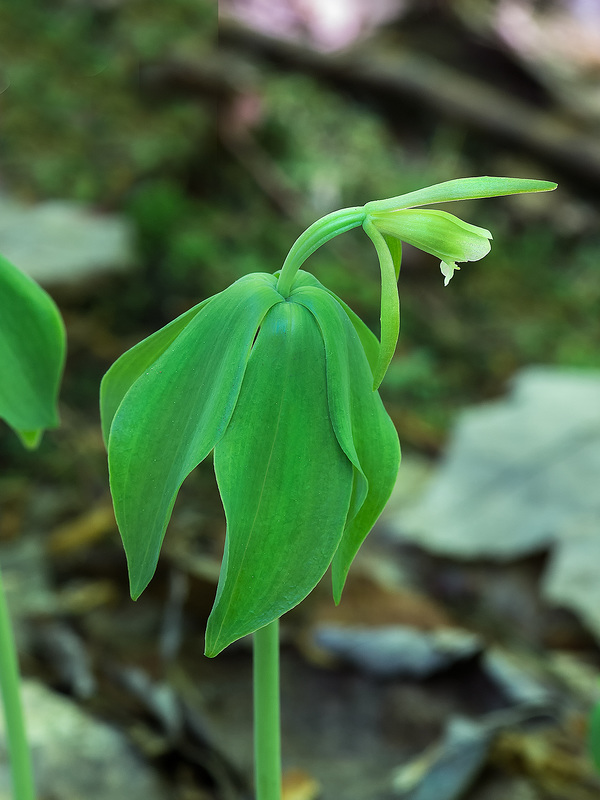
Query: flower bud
[{"x": 443, "y": 235}]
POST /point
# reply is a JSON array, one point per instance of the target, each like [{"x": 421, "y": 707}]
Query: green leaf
[
  {"x": 128, "y": 368},
  {"x": 329, "y": 316},
  {"x": 365, "y": 334},
  {"x": 461, "y": 189},
  {"x": 362, "y": 425},
  {"x": 31, "y": 439},
  {"x": 390, "y": 304},
  {"x": 284, "y": 480},
  {"x": 378, "y": 449},
  {"x": 594, "y": 736},
  {"x": 32, "y": 355},
  {"x": 176, "y": 411},
  {"x": 368, "y": 340}
]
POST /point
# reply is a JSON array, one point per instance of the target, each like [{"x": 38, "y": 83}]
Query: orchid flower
[{"x": 277, "y": 377}]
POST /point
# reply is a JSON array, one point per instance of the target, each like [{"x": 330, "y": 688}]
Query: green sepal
[
  {"x": 128, "y": 368},
  {"x": 460, "y": 189},
  {"x": 395, "y": 248},
  {"x": 172, "y": 416},
  {"x": 283, "y": 478},
  {"x": 32, "y": 355},
  {"x": 390, "y": 303}
]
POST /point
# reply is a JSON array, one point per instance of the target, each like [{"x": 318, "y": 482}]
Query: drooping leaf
[
  {"x": 357, "y": 413},
  {"x": 367, "y": 338},
  {"x": 32, "y": 354},
  {"x": 284, "y": 480},
  {"x": 379, "y": 452},
  {"x": 176, "y": 411},
  {"x": 339, "y": 390},
  {"x": 128, "y": 368},
  {"x": 365, "y": 334}
]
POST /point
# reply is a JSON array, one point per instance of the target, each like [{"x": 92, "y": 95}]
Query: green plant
[
  {"x": 277, "y": 377},
  {"x": 32, "y": 353},
  {"x": 594, "y": 736}
]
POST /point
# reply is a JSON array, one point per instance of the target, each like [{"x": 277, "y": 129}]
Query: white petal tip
[{"x": 447, "y": 269}]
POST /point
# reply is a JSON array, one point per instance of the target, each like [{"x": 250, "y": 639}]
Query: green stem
[
  {"x": 267, "y": 736},
  {"x": 313, "y": 237},
  {"x": 18, "y": 748}
]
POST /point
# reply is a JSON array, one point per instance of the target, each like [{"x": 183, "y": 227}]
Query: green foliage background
[{"x": 116, "y": 105}]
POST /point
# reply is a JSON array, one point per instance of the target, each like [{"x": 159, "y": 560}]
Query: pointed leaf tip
[{"x": 31, "y": 439}]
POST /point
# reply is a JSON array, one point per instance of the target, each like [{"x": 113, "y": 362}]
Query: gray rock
[
  {"x": 522, "y": 682},
  {"x": 396, "y": 649},
  {"x": 572, "y": 579},
  {"x": 76, "y": 755},
  {"x": 517, "y": 471},
  {"x": 63, "y": 242}
]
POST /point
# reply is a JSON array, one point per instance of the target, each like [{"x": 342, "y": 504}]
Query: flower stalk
[
  {"x": 32, "y": 355},
  {"x": 18, "y": 749},
  {"x": 267, "y": 736},
  {"x": 317, "y": 234}
]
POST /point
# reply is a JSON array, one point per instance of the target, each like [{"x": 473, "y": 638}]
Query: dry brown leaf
[
  {"x": 552, "y": 759},
  {"x": 369, "y": 604},
  {"x": 299, "y": 785},
  {"x": 366, "y": 602},
  {"x": 85, "y": 597},
  {"x": 83, "y": 531}
]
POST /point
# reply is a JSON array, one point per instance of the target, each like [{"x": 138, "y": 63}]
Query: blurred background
[{"x": 152, "y": 153}]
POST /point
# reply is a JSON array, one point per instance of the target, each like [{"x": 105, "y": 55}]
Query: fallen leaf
[
  {"x": 299, "y": 785},
  {"x": 557, "y": 763},
  {"x": 449, "y": 768},
  {"x": 83, "y": 531},
  {"x": 366, "y": 602}
]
